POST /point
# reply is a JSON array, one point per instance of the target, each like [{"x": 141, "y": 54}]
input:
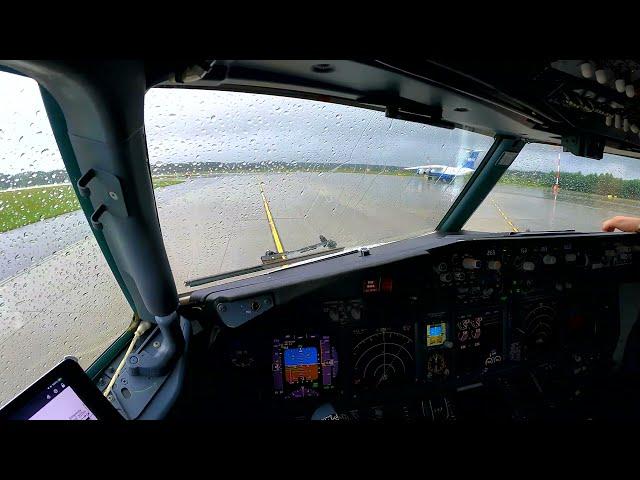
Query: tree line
[
  {"x": 41, "y": 178},
  {"x": 595, "y": 183}
]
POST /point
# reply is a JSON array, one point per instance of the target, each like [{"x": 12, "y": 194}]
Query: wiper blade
[
  {"x": 279, "y": 259},
  {"x": 271, "y": 257},
  {"x": 540, "y": 232}
]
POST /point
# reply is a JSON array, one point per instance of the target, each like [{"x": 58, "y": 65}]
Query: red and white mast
[{"x": 556, "y": 186}]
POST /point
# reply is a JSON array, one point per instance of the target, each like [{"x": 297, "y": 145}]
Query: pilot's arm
[{"x": 626, "y": 224}]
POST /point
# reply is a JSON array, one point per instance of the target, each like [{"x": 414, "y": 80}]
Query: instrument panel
[{"x": 463, "y": 316}]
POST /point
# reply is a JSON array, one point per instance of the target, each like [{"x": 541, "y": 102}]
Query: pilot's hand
[{"x": 626, "y": 224}]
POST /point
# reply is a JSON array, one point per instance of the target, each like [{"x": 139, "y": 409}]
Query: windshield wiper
[
  {"x": 540, "y": 232},
  {"x": 273, "y": 259}
]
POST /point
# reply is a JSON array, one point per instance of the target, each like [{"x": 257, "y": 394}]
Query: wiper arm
[
  {"x": 271, "y": 257},
  {"x": 540, "y": 232},
  {"x": 272, "y": 260}
]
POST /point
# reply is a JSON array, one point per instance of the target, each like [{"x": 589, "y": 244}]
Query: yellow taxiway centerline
[
  {"x": 272, "y": 224},
  {"x": 504, "y": 216}
]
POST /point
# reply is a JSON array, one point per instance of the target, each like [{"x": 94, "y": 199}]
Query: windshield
[
  {"x": 54, "y": 280},
  {"x": 548, "y": 189},
  {"x": 260, "y": 176}
]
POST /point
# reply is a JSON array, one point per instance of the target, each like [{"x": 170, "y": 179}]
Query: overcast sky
[
  {"x": 190, "y": 125},
  {"x": 231, "y": 126}
]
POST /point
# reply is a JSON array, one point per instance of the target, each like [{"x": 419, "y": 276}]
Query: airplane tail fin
[{"x": 471, "y": 160}]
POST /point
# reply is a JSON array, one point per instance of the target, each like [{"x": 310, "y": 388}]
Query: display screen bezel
[{"x": 75, "y": 377}]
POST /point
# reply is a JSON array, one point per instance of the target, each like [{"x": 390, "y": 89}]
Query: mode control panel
[
  {"x": 472, "y": 276},
  {"x": 486, "y": 272}
]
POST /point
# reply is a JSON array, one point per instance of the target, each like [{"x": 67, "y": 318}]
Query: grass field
[
  {"x": 29, "y": 205},
  {"x": 165, "y": 182}
]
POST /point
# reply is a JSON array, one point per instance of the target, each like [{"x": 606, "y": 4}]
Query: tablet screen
[
  {"x": 60, "y": 402},
  {"x": 65, "y": 393}
]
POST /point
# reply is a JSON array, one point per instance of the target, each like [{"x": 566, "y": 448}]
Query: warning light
[
  {"x": 371, "y": 286},
  {"x": 386, "y": 285}
]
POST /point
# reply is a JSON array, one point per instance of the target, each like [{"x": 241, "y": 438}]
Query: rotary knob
[{"x": 446, "y": 277}]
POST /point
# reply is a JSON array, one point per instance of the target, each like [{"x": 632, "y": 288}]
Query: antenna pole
[{"x": 556, "y": 186}]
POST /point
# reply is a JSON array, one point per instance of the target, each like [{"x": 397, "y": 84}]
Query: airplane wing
[{"x": 425, "y": 167}]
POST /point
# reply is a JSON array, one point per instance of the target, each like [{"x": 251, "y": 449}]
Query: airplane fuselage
[{"x": 442, "y": 172}]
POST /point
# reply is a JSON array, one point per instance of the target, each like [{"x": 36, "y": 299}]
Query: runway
[{"x": 58, "y": 297}]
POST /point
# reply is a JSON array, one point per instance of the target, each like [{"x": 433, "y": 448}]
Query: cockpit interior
[{"x": 453, "y": 282}]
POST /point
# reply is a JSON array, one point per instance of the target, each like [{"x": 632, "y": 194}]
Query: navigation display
[{"x": 303, "y": 365}]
